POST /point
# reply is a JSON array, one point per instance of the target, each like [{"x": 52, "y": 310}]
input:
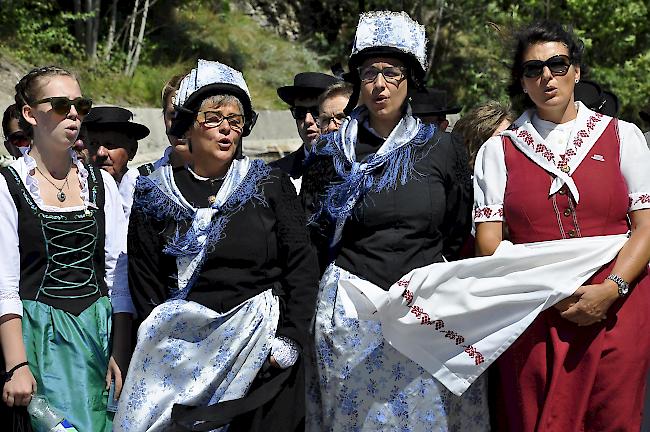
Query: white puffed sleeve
[
  {"x": 117, "y": 279},
  {"x": 635, "y": 165},
  {"x": 489, "y": 182},
  {"x": 10, "y": 263},
  {"x": 127, "y": 188}
]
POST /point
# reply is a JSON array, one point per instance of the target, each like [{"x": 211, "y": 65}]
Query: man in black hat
[
  {"x": 302, "y": 98},
  {"x": 595, "y": 98},
  {"x": 430, "y": 106},
  {"x": 112, "y": 138}
]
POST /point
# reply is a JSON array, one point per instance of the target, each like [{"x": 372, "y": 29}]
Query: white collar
[{"x": 588, "y": 127}]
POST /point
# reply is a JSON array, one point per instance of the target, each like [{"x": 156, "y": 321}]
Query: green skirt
[{"x": 68, "y": 356}]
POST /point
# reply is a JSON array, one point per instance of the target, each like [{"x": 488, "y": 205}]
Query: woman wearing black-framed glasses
[
  {"x": 564, "y": 171},
  {"x": 15, "y": 137},
  {"x": 388, "y": 195},
  {"x": 64, "y": 241}
]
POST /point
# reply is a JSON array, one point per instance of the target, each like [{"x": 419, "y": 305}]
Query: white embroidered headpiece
[
  {"x": 391, "y": 29},
  {"x": 206, "y": 73}
]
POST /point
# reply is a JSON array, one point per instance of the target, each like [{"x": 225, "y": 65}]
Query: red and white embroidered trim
[
  {"x": 439, "y": 325},
  {"x": 572, "y": 148},
  {"x": 487, "y": 212},
  {"x": 641, "y": 199}
]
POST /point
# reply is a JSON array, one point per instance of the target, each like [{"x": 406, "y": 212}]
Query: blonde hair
[
  {"x": 28, "y": 87},
  {"x": 169, "y": 89},
  {"x": 480, "y": 123}
]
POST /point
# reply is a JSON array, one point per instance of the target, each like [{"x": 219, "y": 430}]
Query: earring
[
  {"x": 525, "y": 91},
  {"x": 577, "y": 80}
]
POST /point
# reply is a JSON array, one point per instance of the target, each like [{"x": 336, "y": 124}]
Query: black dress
[
  {"x": 396, "y": 230},
  {"x": 263, "y": 247}
]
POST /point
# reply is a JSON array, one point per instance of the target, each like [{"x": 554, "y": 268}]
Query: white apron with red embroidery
[{"x": 455, "y": 318}]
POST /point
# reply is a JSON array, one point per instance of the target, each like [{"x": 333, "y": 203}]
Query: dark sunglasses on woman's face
[
  {"x": 61, "y": 104},
  {"x": 300, "y": 112},
  {"x": 18, "y": 139},
  {"x": 558, "y": 65}
]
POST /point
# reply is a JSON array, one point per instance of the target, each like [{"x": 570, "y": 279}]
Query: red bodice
[{"x": 532, "y": 215}]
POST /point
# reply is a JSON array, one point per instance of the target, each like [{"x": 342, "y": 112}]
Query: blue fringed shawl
[
  {"x": 158, "y": 197},
  {"x": 396, "y": 157}
]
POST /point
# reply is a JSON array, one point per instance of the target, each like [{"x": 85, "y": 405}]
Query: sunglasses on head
[
  {"x": 18, "y": 139},
  {"x": 61, "y": 104},
  {"x": 558, "y": 65},
  {"x": 300, "y": 112}
]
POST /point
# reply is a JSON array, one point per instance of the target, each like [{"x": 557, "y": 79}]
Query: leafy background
[{"x": 271, "y": 41}]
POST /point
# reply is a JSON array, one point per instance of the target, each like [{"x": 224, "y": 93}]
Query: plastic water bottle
[{"x": 45, "y": 417}]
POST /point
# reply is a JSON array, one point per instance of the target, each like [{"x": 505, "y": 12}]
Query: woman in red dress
[{"x": 563, "y": 171}]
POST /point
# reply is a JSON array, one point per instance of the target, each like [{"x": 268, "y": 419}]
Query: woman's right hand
[
  {"x": 565, "y": 304},
  {"x": 19, "y": 389}
]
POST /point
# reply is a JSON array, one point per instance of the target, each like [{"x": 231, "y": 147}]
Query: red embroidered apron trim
[{"x": 439, "y": 325}]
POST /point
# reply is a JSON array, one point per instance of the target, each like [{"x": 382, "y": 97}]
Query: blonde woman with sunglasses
[
  {"x": 61, "y": 262},
  {"x": 562, "y": 171}
]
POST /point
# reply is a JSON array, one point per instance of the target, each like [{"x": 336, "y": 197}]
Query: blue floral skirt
[{"x": 361, "y": 383}]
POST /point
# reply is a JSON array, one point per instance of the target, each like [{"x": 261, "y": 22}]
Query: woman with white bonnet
[
  {"x": 396, "y": 199},
  {"x": 222, "y": 273}
]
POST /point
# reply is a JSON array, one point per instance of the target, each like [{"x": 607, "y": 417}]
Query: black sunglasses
[
  {"x": 19, "y": 139},
  {"x": 300, "y": 112},
  {"x": 61, "y": 104},
  {"x": 558, "y": 65}
]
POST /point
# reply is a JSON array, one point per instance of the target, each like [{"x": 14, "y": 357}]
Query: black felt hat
[
  {"x": 115, "y": 119},
  {"x": 430, "y": 102},
  {"x": 306, "y": 85},
  {"x": 645, "y": 115},
  {"x": 589, "y": 93},
  {"x": 610, "y": 104}
]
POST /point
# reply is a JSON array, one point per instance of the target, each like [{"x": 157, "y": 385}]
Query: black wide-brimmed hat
[
  {"x": 610, "y": 104},
  {"x": 430, "y": 101},
  {"x": 589, "y": 93},
  {"x": 306, "y": 85},
  {"x": 117, "y": 119},
  {"x": 595, "y": 98}
]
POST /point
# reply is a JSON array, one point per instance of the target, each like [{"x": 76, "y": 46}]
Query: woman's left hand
[
  {"x": 593, "y": 303},
  {"x": 114, "y": 373}
]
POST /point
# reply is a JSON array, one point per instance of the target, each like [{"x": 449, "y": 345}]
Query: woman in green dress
[{"x": 63, "y": 273}]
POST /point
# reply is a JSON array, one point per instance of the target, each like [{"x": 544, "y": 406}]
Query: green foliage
[
  {"x": 266, "y": 60},
  {"x": 37, "y": 30},
  {"x": 471, "y": 61}
]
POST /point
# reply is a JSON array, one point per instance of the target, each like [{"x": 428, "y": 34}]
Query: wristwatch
[{"x": 623, "y": 287}]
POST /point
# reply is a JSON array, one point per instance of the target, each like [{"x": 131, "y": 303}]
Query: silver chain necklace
[{"x": 60, "y": 195}]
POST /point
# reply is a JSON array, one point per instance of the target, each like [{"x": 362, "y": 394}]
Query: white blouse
[
  {"x": 490, "y": 174},
  {"x": 127, "y": 185},
  {"x": 114, "y": 245}
]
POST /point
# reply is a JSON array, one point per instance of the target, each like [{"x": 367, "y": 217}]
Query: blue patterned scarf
[
  {"x": 158, "y": 197},
  {"x": 397, "y": 156}
]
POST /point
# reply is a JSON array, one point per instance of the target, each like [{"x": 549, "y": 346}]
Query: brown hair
[
  {"x": 169, "y": 89},
  {"x": 27, "y": 88},
  {"x": 480, "y": 123},
  {"x": 339, "y": 89}
]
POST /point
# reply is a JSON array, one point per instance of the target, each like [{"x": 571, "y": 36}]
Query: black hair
[
  {"x": 11, "y": 113},
  {"x": 540, "y": 32},
  {"x": 26, "y": 90}
]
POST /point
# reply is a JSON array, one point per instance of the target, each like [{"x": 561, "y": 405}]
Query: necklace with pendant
[{"x": 60, "y": 195}]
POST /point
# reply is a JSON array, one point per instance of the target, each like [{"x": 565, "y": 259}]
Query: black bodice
[{"x": 62, "y": 257}]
